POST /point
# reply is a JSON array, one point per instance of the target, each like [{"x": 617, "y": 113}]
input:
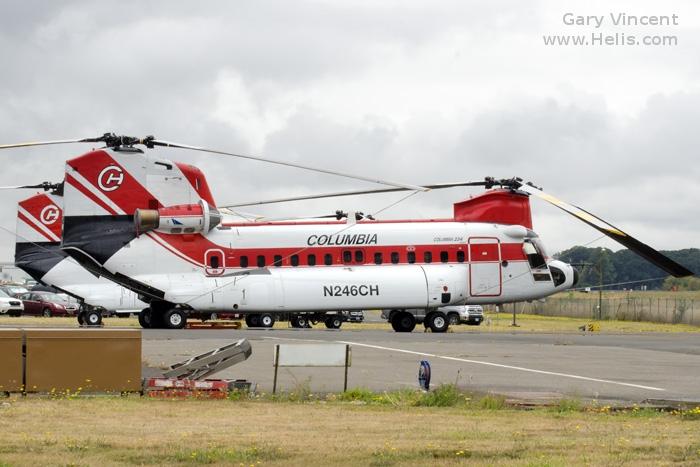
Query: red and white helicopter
[
  {"x": 152, "y": 226},
  {"x": 38, "y": 253}
]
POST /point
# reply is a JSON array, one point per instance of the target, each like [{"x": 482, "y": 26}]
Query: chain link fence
[{"x": 657, "y": 310}]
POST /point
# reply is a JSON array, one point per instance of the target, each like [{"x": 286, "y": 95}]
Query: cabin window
[
  {"x": 311, "y": 260},
  {"x": 261, "y": 261},
  {"x": 347, "y": 256},
  {"x": 428, "y": 257},
  {"x": 189, "y": 230},
  {"x": 378, "y": 258},
  {"x": 327, "y": 259},
  {"x": 294, "y": 260},
  {"x": 277, "y": 260},
  {"x": 444, "y": 257},
  {"x": 394, "y": 257},
  {"x": 244, "y": 261},
  {"x": 175, "y": 230},
  {"x": 460, "y": 256},
  {"x": 359, "y": 256},
  {"x": 534, "y": 257},
  {"x": 411, "y": 257}
]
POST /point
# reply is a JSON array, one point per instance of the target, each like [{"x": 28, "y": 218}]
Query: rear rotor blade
[
  {"x": 41, "y": 143},
  {"x": 437, "y": 186},
  {"x": 643, "y": 250},
  {"x": 155, "y": 142},
  {"x": 46, "y": 186}
]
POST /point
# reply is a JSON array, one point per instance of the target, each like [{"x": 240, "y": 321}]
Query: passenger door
[{"x": 485, "y": 267}]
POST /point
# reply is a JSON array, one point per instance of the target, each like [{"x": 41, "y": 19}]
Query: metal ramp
[{"x": 208, "y": 363}]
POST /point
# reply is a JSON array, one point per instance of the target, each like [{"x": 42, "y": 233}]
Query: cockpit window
[{"x": 534, "y": 255}]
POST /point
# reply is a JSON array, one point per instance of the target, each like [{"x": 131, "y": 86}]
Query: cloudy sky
[{"x": 418, "y": 92}]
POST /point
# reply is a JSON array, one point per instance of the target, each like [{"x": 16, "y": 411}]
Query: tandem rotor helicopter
[{"x": 152, "y": 226}]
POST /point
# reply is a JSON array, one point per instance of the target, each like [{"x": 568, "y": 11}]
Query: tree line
[{"x": 626, "y": 266}]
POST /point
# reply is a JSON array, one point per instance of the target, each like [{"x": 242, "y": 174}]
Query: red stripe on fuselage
[{"x": 195, "y": 247}]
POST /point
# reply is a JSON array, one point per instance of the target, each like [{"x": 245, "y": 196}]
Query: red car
[{"x": 45, "y": 304}]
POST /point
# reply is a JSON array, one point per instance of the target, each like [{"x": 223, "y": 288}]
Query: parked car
[
  {"x": 13, "y": 290},
  {"x": 10, "y": 306},
  {"x": 47, "y": 304},
  {"x": 455, "y": 314},
  {"x": 355, "y": 316}
]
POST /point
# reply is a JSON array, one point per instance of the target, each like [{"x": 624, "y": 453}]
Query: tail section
[
  {"x": 105, "y": 188},
  {"x": 38, "y": 239}
]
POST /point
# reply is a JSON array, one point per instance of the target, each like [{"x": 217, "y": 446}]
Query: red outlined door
[
  {"x": 214, "y": 262},
  {"x": 485, "y": 267}
]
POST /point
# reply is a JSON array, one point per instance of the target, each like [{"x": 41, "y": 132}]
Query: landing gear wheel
[
  {"x": 294, "y": 321},
  {"x": 145, "y": 318},
  {"x": 437, "y": 321},
  {"x": 453, "y": 319},
  {"x": 267, "y": 320},
  {"x": 157, "y": 321},
  {"x": 333, "y": 322},
  {"x": 213, "y": 316},
  {"x": 403, "y": 322},
  {"x": 253, "y": 321},
  {"x": 46, "y": 313},
  {"x": 81, "y": 318},
  {"x": 93, "y": 318},
  {"x": 303, "y": 322},
  {"x": 175, "y": 319}
]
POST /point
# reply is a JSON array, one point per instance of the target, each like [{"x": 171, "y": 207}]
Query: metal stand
[
  {"x": 277, "y": 365},
  {"x": 211, "y": 362},
  {"x": 514, "y": 324}
]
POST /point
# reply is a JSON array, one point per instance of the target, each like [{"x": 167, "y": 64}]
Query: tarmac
[{"x": 652, "y": 368}]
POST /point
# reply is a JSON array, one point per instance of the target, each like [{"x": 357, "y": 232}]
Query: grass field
[
  {"x": 613, "y": 294},
  {"x": 494, "y": 322},
  {"x": 405, "y": 428}
]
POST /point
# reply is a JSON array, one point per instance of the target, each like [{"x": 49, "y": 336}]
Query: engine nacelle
[{"x": 180, "y": 219}]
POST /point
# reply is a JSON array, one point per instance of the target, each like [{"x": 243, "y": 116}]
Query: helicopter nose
[{"x": 563, "y": 274}]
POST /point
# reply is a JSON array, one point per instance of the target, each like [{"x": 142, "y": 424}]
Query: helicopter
[{"x": 152, "y": 226}]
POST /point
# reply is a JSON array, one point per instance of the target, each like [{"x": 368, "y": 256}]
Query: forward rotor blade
[
  {"x": 643, "y": 250},
  {"x": 437, "y": 186},
  {"x": 156, "y": 142}
]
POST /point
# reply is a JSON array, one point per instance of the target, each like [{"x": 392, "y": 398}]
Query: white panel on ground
[{"x": 312, "y": 354}]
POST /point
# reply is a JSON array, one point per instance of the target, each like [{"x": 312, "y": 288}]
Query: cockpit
[{"x": 537, "y": 258}]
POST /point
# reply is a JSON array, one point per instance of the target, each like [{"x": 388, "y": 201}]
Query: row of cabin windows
[{"x": 348, "y": 256}]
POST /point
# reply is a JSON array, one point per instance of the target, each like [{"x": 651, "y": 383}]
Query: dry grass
[
  {"x": 648, "y": 294},
  {"x": 538, "y": 323},
  {"x": 133, "y": 431}
]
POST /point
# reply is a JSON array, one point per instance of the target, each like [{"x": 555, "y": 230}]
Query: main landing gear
[
  {"x": 260, "y": 320},
  {"x": 88, "y": 317},
  {"x": 162, "y": 316}
]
